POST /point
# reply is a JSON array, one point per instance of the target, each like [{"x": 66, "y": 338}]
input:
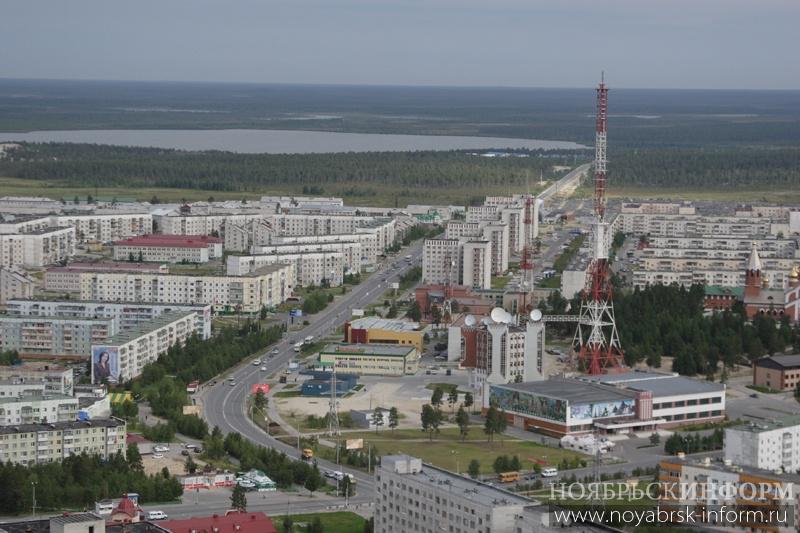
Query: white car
[
  {"x": 156, "y": 515},
  {"x": 263, "y": 369},
  {"x": 160, "y": 449},
  {"x": 550, "y": 472},
  {"x": 257, "y": 362},
  {"x": 276, "y": 351},
  {"x": 158, "y": 456}
]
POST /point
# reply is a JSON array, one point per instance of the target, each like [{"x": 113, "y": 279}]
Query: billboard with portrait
[
  {"x": 524, "y": 403},
  {"x": 105, "y": 364},
  {"x": 586, "y": 411}
]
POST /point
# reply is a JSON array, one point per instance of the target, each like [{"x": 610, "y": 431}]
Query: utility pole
[{"x": 33, "y": 488}]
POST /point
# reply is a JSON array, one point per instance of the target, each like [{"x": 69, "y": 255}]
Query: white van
[
  {"x": 550, "y": 472},
  {"x": 156, "y": 515}
]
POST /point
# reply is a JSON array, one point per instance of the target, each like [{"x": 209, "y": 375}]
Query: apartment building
[
  {"x": 127, "y": 353},
  {"x": 781, "y": 247},
  {"x": 658, "y": 208},
  {"x": 410, "y": 496},
  {"x": 68, "y": 278},
  {"x": 476, "y": 264},
  {"x": 56, "y": 380},
  {"x": 351, "y": 251},
  {"x": 37, "y": 248},
  {"x": 777, "y": 372},
  {"x": 22, "y": 223},
  {"x": 368, "y": 243},
  {"x": 169, "y": 249},
  {"x": 38, "y": 409},
  {"x": 29, "y": 444},
  {"x": 242, "y": 237},
  {"x": 268, "y": 286},
  {"x": 53, "y": 336},
  {"x": 666, "y": 225},
  {"x": 766, "y": 444},
  {"x": 482, "y": 213},
  {"x": 106, "y": 227},
  {"x": 441, "y": 261},
  {"x": 497, "y": 234},
  {"x": 311, "y": 269},
  {"x": 14, "y": 284},
  {"x": 15, "y": 388},
  {"x": 127, "y": 315},
  {"x": 721, "y": 278},
  {"x": 175, "y": 223}
]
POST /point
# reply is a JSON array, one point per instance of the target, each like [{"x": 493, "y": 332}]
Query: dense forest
[
  {"x": 365, "y": 175},
  {"x": 80, "y": 480},
  {"x": 104, "y": 166}
]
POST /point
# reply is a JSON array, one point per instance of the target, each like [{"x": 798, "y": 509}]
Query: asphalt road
[{"x": 223, "y": 405}]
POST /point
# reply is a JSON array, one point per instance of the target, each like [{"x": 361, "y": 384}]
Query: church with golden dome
[{"x": 761, "y": 299}]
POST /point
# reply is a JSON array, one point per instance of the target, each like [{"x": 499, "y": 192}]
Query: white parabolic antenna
[
  {"x": 469, "y": 320},
  {"x": 486, "y": 321},
  {"x": 536, "y": 315},
  {"x": 498, "y": 314},
  {"x": 507, "y": 318}
]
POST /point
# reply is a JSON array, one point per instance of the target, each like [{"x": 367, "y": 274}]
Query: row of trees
[
  {"x": 80, "y": 480},
  {"x": 316, "y": 302},
  {"x": 9, "y": 357},
  {"x": 694, "y": 442}
]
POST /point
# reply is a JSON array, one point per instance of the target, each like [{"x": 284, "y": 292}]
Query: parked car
[
  {"x": 160, "y": 448},
  {"x": 156, "y": 515},
  {"x": 158, "y": 456},
  {"x": 263, "y": 369}
]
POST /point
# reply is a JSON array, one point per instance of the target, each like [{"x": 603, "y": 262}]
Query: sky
[{"x": 711, "y": 44}]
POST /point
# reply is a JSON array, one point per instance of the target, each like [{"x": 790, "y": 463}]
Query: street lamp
[{"x": 33, "y": 489}]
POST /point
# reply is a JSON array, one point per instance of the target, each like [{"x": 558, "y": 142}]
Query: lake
[{"x": 283, "y": 141}]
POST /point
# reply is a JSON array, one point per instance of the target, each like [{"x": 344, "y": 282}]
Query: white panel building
[
  {"x": 313, "y": 268},
  {"x": 106, "y": 227},
  {"x": 765, "y": 444}
]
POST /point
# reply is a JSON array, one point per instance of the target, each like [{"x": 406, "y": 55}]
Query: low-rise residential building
[
  {"x": 376, "y": 330},
  {"x": 765, "y": 444},
  {"x": 126, "y": 314},
  {"x": 39, "y": 409},
  {"x": 53, "y": 336},
  {"x": 29, "y": 444},
  {"x": 57, "y": 380},
  {"x": 311, "y": 268},
  {"x": 124, "y": 356},
  {"x": 777, "y": 372},
  {"x": 68, "y": 278},
  {"x": 371, "y": 359},
  {"x": 14, "y": 284},
  {"x": 412, "y": 496},
  {"x": 16, "y": 388},
  {"x": 169, "y": 249},
  {"x": 268, "y": 286}
]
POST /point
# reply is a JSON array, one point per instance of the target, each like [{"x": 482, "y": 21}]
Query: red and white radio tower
[
  {"x": 596, "y": 339},
  {"x": 526, "y": 264}
]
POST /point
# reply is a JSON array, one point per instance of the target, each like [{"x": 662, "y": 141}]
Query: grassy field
[
  {"x": 448, "y": 451},
  {"x": 768, "y": 194},
  {"x": 339, "y": 522}
]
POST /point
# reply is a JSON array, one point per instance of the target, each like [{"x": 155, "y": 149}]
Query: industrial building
[
  {"x": 371, "y": 359},
  {"x": 268, "y": 286},
  {"x": 410, "y": 496},
  {"x": 126, "y": 314},
  {"x": 608, "y": 403},
  {"x": 29, "y": 444},
  {"x": 124, "y": 356},
  {"x": 168, "y": 249},
  {"x": 766, "y": 444},
  {"x": 376, "y": 330}
]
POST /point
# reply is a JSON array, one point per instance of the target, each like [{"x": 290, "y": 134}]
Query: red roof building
[
  {"x": 231, "y": 522},
  {"x": 169, "y": 248},
  {"x": 171, "y": 241}
]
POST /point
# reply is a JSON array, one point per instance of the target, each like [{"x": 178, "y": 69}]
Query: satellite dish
[
  {"x": 498, "y": 314},
  {"x": 486, "y": 321},
  {"x": 536, "y": 315},
  {"x": 469, "y": 320},
  {"x": 507, "y": 318}
]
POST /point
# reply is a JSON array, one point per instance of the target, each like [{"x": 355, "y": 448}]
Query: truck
[
  {"x": 408, "y": 258},
  {"x": 297, "y": 346},
  {"x": 309, "y": 339}
]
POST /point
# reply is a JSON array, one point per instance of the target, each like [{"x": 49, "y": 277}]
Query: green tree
[
  {"x": 474, "y": 469},
  {"x": 369, "y": 525},
  {"x": 189, "y": 466},
  {"x": 431, "y": 420},
  {"x": 437, "y": 396},
  {"x": 436, "y": 314},
  {"x": 462, "y": 419},
  {"x": 315, "y": 526},
  {"x": 655, "y": 438},
  {"x": 377, "y": 418},
  {"x": 394, "y": 418},
  {"x": 468, "y": 400},
  {"x": 288, "y": 524},
  {"x": 260, "y": 400},
  {"x": 313, "y": 481},
  {"x": 414, "y": 312},
  {"x": 134, "y": 458},
  {"x": 262, "y": 314},
  {"x": 452, "y": 398},
  {"x": 238, "y": 498}
]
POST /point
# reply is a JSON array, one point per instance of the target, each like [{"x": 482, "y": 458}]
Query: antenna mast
[
  {"x": 333, "y": 408},
  {"x": 596, "y": 339}
]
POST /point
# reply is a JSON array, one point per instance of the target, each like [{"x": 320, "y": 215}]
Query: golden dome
[{"x": 795, "y": 273}]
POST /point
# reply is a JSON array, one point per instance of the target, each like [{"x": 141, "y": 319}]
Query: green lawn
[
  {"x": 338, "y": 522},
  {"x": 500, "y": 282},
  {"x": 446, "y": 387},
  {"x": 446, "y": 449},
  {"x": 288, "y": 394}
]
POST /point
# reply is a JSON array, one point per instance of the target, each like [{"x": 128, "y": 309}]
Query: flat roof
[
  {"x": 626, "y": 377},
  {"x": 34, "y": 398},
  {"x": 115, "y": 303},
  {"x": 170, "y": 241},
  {"x": 390, "y": 350},
  {"x": 76, "y": 518},
  {"x": 571, "y": 390},
  {"x": 374, "y": 322},
  {"x": 736, "y": 469},
  {"x": 60, "y": 426},
  {"x": 144, "y": 328},
  {"x": 106, "y": 266},
  {"x": 785, "y": 361},
  {"x": 460, "y": 486},
  {"x": 767, "y": 425},
  {"x": 676, "y": 386}
]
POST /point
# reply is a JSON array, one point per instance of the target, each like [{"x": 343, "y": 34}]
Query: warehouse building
[
  {"x": 371, "y": 359},
  {"x": 376, "y": 330}
]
